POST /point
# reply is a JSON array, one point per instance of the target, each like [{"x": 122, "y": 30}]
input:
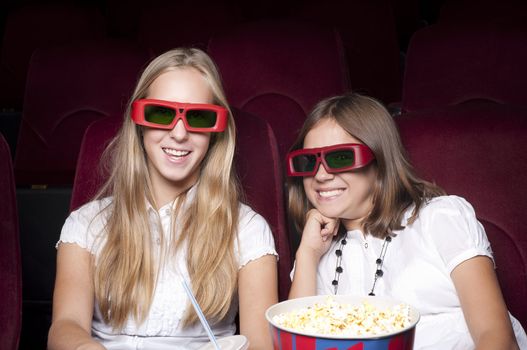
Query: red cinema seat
[
  {"x": 68, "y": 87},
  {"x": 195, "y": 23},
  {"x": 451, "y": 63},
  {"x": 279, "y": 70},
  {"x": 36, "y": 26},
  {"x": 369, "y": 35},
  {"x": 10, "y": 264},
  {"x": 478, "y": 151}
]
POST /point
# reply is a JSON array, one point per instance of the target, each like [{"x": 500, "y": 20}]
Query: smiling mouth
[
  {"x": 175, "y": 153},
  {"x": 329, "y": 194}
]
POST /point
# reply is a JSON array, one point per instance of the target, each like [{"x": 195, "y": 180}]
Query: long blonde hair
[
  {"x": 126, "y": 268},
  {"x": 397, "y": 186}
]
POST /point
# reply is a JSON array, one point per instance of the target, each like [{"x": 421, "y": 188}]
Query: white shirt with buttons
[{"x": 162, "y": 328}]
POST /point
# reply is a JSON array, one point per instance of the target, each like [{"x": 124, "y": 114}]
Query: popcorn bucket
[{"x": 286, "y": 338}]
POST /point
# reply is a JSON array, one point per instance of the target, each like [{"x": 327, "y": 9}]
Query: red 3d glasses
[
  {"x": 336, "y": 159},
  {"x": 165, "y": 114}
]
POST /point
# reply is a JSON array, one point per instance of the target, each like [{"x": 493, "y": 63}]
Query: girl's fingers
[
  {"x": 329, "y": 230},
  {"x": 331, "y": 227},
  {"x": 319, "y": 227},
  {"x": 325, "y": 234}
]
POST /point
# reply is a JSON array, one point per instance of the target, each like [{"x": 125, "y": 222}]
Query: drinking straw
[{"x": 200, "y": 314}]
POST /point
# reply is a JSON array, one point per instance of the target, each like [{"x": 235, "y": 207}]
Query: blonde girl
[{"x": 169, "y": 210}]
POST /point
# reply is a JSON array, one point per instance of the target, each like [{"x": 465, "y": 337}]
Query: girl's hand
[
  {"x": 318, "y": 233},
  {"x": 316, "y": 240}
]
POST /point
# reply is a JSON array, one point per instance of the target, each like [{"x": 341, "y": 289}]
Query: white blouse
[
  {"x": 162, "y": 328},
  {"x": 416, "y": 269}
]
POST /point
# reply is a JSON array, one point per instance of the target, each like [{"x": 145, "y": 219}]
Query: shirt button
[
  {"x": 167, "y": 211},
  {"x": 158, "y": 241},
  {"x": 366, "y": 245}
]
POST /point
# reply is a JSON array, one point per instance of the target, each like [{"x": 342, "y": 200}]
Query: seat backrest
[
  {"x": 10, "y": 271},
  {"x": 477, "y": 151},
  {"x": 258, "y": 166},
  {"x": 40, "y": 25},
  {"x": 195, "y": 25},
  {"x": 450, "y": 63},
  {"x": 68, "y": 87},
  {"x": 369, "y": 35},
  {"x": 279, "y": 70}
]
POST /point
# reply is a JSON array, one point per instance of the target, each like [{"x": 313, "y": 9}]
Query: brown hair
[{"x": 397, "y": 186}]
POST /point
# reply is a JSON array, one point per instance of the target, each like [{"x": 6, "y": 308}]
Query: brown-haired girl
[{"x": 372, "y": 227}]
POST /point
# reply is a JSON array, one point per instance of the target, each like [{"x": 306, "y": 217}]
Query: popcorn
[{"x": 332, "y": 318}]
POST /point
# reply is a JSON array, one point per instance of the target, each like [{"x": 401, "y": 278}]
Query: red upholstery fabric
[
  {"x": 195, "y": 24},
  {"x": 68, "y": 87},
  {"x": 90, "y": 172},
  {"x": 28, "y": 28},
  {"x": 181, "y": 19},
  {"x": 258, "y": 165},
  {"x": 478, "y": 151},
  {"x": 278, "y": 70},
  {"x": 450, "y": 63},
  {"x": 369, "y": 34},
  {"x": 10, "y": 272}
]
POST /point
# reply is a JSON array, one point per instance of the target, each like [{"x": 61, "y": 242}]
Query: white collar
[{"x": 169, "y": 207}]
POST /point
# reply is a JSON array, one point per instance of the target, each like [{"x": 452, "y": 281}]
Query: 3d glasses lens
[
  {"x": 159, "y": 114},
  {"x": 200, "y": 118},
  {"x": 340, "y": 159},
  {"x": 304, "y": 162}
]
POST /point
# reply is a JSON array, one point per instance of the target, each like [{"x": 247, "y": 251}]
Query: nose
[
  {"x": 322, "y": 174},
  {"x": 179, "y": 132}
]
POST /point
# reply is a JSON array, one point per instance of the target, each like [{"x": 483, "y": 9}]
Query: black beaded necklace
[{"x": 378, "y": 273}]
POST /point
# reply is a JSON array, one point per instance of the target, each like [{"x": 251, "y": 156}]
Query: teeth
[
  {"x": 176, "y": 153},
  {"x": 331, "y": 193}
]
